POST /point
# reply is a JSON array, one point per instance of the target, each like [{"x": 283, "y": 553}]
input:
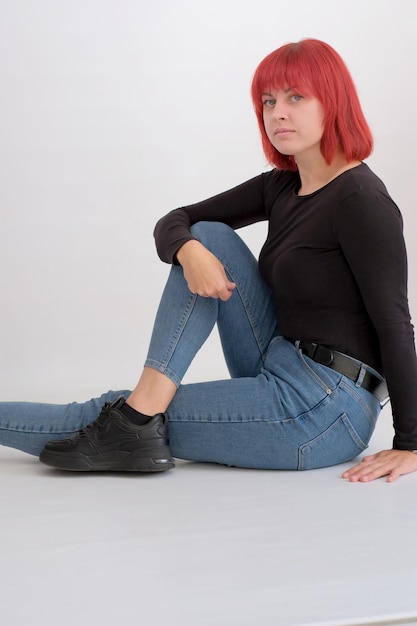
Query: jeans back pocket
[{"x": 339, "y": 443}]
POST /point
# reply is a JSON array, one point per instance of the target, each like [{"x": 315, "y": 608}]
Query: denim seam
[
  {"x": 256, "y": 333},
  {"x": 314, "y": 374},
  {"x": 39, "y": 431},
  {"x": 164, "y": 369},
  {"x": 305, "y": 414},
  {"x": 351, "y": 390},
  {"x": 216, "y": 422},
  {"x": 346, "y": 387},
  {"x": 350, "y": 430},
  {"x": 163, "y": 366}
]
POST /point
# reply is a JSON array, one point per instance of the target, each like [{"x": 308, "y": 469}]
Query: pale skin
[{"x": 294, "y": 125}]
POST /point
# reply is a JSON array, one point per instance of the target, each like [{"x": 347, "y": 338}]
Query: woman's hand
[
  {"x": 204, "y": 273},
  {"x": 390, "y": 463}
]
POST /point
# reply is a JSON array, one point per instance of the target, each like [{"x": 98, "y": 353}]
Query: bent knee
[{"x": 209, "y": 233}]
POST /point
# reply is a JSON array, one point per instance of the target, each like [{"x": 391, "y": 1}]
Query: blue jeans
[{"x": 279, "y": 409}]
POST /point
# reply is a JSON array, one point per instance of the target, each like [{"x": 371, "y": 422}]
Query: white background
[{"x": 113, "y": 112}]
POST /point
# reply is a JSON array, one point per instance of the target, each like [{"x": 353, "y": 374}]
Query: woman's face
[{"x": 293, "y": 122}]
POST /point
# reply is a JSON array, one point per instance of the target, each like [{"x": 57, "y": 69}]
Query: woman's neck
[{"x": 316, "y": 175}]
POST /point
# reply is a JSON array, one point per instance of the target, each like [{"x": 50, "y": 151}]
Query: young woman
[{"x": 315, "y": 335}]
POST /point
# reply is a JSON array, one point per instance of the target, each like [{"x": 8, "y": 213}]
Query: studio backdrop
[{"x": 113, "y": 112}]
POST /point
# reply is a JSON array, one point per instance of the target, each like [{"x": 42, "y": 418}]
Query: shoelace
[{"x": 84, "y": 433}]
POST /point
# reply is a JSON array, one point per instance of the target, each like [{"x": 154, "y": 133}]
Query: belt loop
[{"x": 361, "y": 376}]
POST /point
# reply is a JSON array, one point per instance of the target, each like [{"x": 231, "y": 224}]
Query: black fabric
[
  {"x": 134, "y": 416},
  {"x": 336, "y": 262}
]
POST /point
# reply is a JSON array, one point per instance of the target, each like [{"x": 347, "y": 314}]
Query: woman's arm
[
  {"x": 245, "y": 204},
  {"x": 370, "y": 232}
]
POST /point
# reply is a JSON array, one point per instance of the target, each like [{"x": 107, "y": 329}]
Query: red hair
[{"x": 314, "y": 68}]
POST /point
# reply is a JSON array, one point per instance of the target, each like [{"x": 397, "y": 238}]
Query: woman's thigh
[
  {"x": 246, "y": 322},
  {"x": 295, "y": 414}
]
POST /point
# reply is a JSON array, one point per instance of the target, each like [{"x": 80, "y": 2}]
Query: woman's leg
[
  {"x": 183, "y": 322},
  {"x": 246, "y": 322},
  {"x": 28, "y": 426}
]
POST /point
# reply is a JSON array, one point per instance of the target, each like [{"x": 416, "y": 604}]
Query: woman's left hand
[{"x": 390, "y": 463}]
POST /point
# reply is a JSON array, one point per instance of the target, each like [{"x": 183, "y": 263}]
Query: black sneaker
[{"x": 113, "y": 444}]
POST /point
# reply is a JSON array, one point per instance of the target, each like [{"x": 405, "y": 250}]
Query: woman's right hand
[{"x": 204, "y": 273}]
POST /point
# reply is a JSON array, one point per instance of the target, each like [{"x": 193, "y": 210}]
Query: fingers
[
  {"x": 222, "y": 293},
  {"x": 389, "y": 463},
  {"x": 357, "y": 470},
  {"x": 204, "y": 273},
  {"x": 225, "y": 293},
  {"x": 368, "y": 469},
  {"x": 222, "y": 289},
  {"x": 393, "y": 476}
]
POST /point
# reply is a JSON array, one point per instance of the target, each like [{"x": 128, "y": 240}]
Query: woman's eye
[
  {"x": 296, "y": 97},
  {"x": 270, "y": 102}
]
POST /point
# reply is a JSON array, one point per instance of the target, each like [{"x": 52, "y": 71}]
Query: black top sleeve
[
  {"x": 238, "y": 207},
  {"x": 369, "y": 229}
]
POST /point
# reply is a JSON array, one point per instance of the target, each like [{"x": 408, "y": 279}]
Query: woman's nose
[{"x": 279, "y": 112}]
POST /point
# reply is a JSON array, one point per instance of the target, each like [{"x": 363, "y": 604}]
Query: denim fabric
[
  {"x": 279, "y": 409},
  {"x": 27, "y": 426}
]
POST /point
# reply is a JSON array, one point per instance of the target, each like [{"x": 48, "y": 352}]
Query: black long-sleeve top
[{"x": 336, "y": 262}]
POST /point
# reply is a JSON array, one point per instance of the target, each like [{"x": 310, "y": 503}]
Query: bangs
[{"x": 286, "y": 68}]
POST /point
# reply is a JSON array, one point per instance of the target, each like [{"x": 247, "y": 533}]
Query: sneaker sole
[{"x": 112, "y": 462}]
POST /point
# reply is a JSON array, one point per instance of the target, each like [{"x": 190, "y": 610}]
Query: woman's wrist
[{"x": 186, "y": 249}]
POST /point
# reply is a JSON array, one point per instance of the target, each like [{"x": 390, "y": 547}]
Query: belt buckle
[{"x": 322, "y": 354}]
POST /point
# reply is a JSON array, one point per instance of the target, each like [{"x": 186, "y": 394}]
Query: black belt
[{"x": 346, "y": 365}]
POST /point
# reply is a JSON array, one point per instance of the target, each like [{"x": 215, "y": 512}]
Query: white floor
[{"x": 206, "y": 546}]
